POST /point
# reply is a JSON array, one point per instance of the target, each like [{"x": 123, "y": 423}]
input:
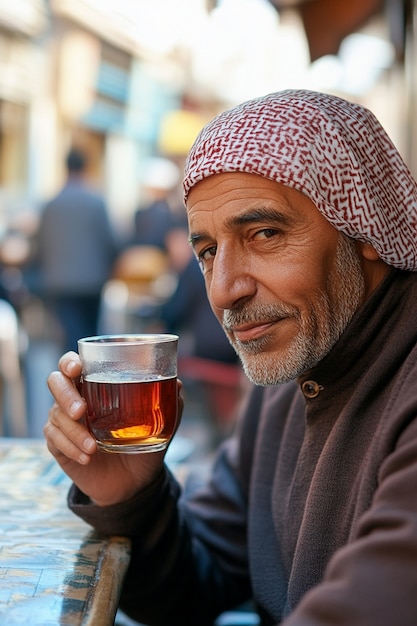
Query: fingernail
[
  {"x": 71, "y": 365},
  {"x": 89, "y": 444},
  {"x": 76, "y": 407}
]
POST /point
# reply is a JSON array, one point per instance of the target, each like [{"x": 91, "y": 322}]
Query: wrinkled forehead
[{"x": 234, "y": 200}]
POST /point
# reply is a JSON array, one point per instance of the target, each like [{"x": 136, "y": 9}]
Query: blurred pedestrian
[
  {"x": 76, "y": 251},
  {"x": 162, "y": 208}
]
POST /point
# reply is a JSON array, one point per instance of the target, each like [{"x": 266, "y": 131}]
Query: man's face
[{"x": 281, "y": 280}]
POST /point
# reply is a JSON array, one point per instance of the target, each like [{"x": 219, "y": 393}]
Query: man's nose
[{"x": 230, "y": 282}]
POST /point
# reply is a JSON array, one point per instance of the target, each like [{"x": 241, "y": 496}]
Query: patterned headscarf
[{"x": 335, "y": 152}]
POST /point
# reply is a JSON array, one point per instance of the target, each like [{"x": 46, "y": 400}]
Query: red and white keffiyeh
[{"x": 335, "y": 152}]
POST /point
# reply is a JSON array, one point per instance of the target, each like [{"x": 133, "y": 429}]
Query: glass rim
[{"x": 135, "y": 339}]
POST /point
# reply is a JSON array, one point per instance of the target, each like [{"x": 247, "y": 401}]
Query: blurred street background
[{"x": 129, "y": 83}]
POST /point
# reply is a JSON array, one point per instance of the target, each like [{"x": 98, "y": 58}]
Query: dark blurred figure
[
  {"x": 4, "y": 293},
  {"x": 188, "y": 311},
  {"x": 162, "y": 209},
  {"x": 76, "y": 251}
]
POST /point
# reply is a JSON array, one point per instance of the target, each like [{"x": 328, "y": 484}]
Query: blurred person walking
[
  {"x": 163, "y": 209},
  {"x": 76, "y": 251}
]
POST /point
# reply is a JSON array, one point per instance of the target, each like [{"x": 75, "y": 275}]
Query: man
[
  {"x": 303, "y": 217},
  {"x": 77, "y": 248}
]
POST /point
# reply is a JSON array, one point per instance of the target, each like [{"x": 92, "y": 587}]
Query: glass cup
[{"x": 129, "y": 383}]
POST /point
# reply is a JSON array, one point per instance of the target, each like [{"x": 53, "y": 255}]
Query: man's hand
[{"x": 107, "y": 478}]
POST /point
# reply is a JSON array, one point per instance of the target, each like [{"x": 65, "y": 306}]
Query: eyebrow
[
  {"x": 252, "y": 216},
  {"x": 260, "y": 214}
]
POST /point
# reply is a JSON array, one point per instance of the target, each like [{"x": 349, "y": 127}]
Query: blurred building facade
[{"x": 73, "y": 73}]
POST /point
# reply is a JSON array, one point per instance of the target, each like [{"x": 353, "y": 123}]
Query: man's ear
[
  {"x": 373, "y": 267},
  {"x": 367, "y": 251}
]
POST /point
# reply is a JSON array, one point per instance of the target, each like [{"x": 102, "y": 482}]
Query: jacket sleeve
[{"x": 189, "y": 555}]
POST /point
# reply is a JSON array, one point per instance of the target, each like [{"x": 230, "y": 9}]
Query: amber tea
[
  {"x": 131, "y": 413},
  {"x": 129, "y": 383}
]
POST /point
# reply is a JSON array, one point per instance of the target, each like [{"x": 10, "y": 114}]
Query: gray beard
[{"x": 318, "y": 332}]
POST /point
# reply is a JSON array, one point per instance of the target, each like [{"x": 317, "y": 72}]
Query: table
[{"x": 54, "y": 569}]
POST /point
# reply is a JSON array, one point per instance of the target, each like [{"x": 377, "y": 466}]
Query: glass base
[{"x": 132, "y": 448}]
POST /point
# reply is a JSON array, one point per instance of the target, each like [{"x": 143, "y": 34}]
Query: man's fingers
[
  {"x": 63, "y": 449},
  {"x": 70, "y": 364},
  {"x": 68, "y": 436},
  {"x": 70, "y": 400}
]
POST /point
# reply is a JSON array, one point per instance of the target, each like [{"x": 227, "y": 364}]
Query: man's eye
[
  {"x": 206, "y": 255},
  {"x": 265, "y": 233}
]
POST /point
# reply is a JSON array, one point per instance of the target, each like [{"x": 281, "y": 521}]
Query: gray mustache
[{"x": 260, "y": 313}]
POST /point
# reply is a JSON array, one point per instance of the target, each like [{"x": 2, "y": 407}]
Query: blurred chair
[
  {"x": 12, "y": 387},
  {"x": 219, "y": 385},
  {"x": 139, "y": 267},
  {"x": 141, "y": 280}
]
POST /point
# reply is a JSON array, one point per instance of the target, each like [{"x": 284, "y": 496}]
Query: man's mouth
[{"x": 252, "y": 330}]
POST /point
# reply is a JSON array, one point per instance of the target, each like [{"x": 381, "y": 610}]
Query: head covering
[{"x": 333, "y": 151}]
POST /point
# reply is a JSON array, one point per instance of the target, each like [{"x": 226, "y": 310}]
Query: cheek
[
  {"x": 293, "y": 282},
  {"x": 279, "y": 273}
]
